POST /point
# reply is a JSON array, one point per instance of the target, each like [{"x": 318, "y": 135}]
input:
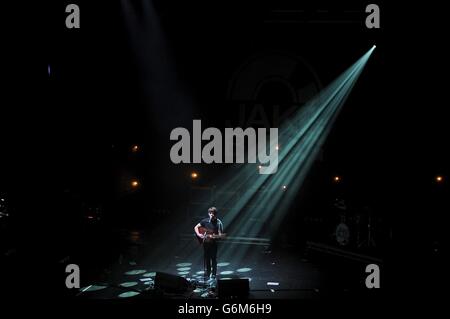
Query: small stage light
[
  {"x": 135, "y": 148},
  {"x": 439, "y": 179},
  {"x": 337, "y": 179},
  {"x": 284, "y": 187},
  {"x": 277, "y": 147},
  {"x": 194, "y": 175},
  {"x": 134, "y": 183}
]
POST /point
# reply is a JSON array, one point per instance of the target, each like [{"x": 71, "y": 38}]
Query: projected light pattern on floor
[
  {"x": 223, "y": 264},
  {"x": 135, "y": 272},
  {"x": 301, "y": 137},
  {"x": 243, "y": 270},
  {"x": 146, "y": 279},
  {"x": 128, "y": 294},
  {"x": 128, "y": 284},
  {"x": 149, "y": 274}
]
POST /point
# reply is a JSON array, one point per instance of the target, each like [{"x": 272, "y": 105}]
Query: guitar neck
[{"x": 217, "y": 235}]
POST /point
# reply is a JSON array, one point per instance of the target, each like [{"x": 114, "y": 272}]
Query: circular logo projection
[{"x": 274, "y": 78}]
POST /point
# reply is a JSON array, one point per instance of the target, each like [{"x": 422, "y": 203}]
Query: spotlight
[
  {"x": 284, "y": 187},
  {"x": 134, "y": 183},
  {"x": 277, "y": 147},
  {"x": 439, "y": 179},
  {"x": 337, "y": 179},
  {"x": 194, "y": 175},
  {"x": 135, "y": 148}
]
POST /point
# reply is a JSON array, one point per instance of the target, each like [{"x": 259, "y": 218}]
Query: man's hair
[{"x": 212, "y": 210}]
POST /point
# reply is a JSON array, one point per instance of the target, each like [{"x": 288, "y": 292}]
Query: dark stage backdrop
[{"x": 86, "y": 116}]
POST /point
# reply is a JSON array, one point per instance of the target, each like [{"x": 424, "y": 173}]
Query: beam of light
[
  {"x": 273, "y": 283},
  {"x": 84, "y": 289},
  {"x": 262, "y": 201},
  {"x": 252, "y": 205},
  {"x": 161, "y": 89},
  {"x": 261, "y": 206}
]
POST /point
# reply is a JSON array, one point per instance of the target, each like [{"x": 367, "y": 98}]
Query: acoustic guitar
[{"x": 208, "y": 235}]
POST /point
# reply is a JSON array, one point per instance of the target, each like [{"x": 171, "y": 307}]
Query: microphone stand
[
  {"x": 204, "y": 259},
  {"x": 204, "y": 256}
]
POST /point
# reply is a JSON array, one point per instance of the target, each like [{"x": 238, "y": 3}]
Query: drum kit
[{"x": 355, "y": 227}]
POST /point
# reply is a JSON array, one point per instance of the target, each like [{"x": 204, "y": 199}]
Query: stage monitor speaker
[
  {"x": 233, "y": 288},
  {"x": 170, "y": 283}
]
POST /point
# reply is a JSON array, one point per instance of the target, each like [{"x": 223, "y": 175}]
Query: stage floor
[{"x": 273, "y": 273}]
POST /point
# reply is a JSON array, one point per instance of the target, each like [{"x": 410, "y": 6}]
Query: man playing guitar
[{"x": 208, "y": 231}]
